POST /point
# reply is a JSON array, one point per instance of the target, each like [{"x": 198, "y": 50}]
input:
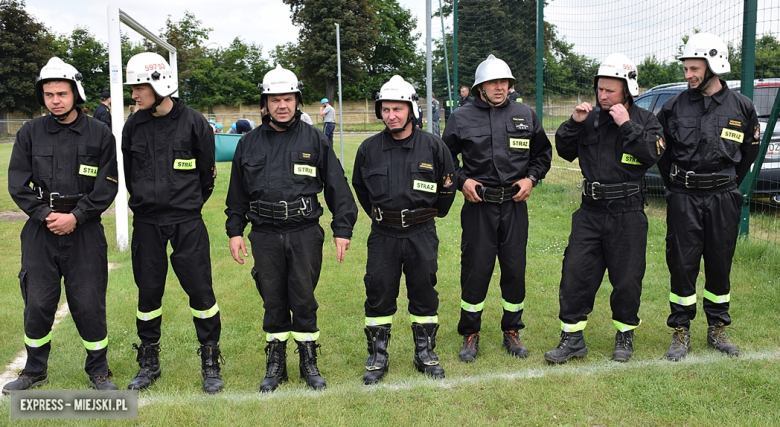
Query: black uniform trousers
[
  {"x": 191, "y": 261},
  {"x": 287, "y": 269},
  {"x": 414, "y": 252},
  {"x": 80, "y": 258},
  {"x": 491, "y": 229},
  {"x": 700, "y": 224},
  {"x": 600, "y": 241}
]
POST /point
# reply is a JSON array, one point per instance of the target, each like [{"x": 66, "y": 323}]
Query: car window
[
  {"x": 645, "y": 102},
  {"x": 661, "y": 100},
  {"x": 764, "y": 98}
]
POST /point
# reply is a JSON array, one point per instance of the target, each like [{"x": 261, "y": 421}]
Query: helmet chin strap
[
  {"x": 60, "y": 118},
  {"x": 402, "y": 128},
  {"x": 708, "y": 75},
  {"x": 491, "y": 103},
  {"x": 157, "y": 101}
]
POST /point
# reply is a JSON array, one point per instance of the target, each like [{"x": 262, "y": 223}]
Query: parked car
[{"x": 764, "y": 94}]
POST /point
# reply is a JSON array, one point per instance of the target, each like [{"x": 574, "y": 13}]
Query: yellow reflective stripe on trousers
[
  {"x": 96, "y": 345},
  {"x": 622, "y": 327},
  {"x": 37, "y": 342},
  {"x": 686, "y": 301},
  {"x": 473, "y": 308},
  {"x": 423, "y": 319},
  {"x": 567, "y": 327},
  {"x": 205, "y": 314},
  {"x": 305, "y": 336},
  {"x": 281, "y": 336},
  {"x": 717, "y": 299},
  {"x": 376, "y": 321},
  {"x": 148, "y": 316},
  {"x": 514, "y": 308}
]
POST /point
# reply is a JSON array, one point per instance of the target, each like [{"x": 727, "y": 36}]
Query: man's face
[
  {"x": 144, "y": 96},
  {"x": 58, "y": 97},
  {"x": 464, "y": 92},
  {"x": 496, "y": 90},
  {"x": 695, "y": 71},
  {"x": 610, "y": 92},
  {"x": 395, "y": 114},
  {"x": 281, "y": 107}
]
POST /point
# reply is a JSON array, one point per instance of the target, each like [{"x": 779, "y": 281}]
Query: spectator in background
[
  {"x": 132, "y": 110},
  {"x": 218, "y": 128},
  {"x": 85, "y": 110},
  {"x": 103, "y": 111},
  {"x": 306, "y": 118},
  {"x": 435, "y": 115},
  {"x": 513, "y": 95},
  {"x": 464, "y": 98},
  {"x": 243, "y": 126},
  {"x": 329, "y": 118}
]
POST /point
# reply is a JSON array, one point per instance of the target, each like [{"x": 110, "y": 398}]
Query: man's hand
[
  {"x": 237, "y": 247},
  {"x": 470, "y": 190},
  {"x": 619, "y": 114},
  {"x": 526, "y": 185},
  {"x": 61, "y": 223},
  {"x": 581, "y": 112},
  {"x": 341, "y": 248}
]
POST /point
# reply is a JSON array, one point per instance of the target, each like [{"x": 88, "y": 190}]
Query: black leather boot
[
  {"x": 377, "y": 337},
  {"x": 276, "y": 365},
  {"x": 149, "y": 361},
  {"x": 307, "y": 350},
  {"x": 210, "y": 359},
  {"x": 425, "y": 359},
  {"x": 572, "y": 345}
]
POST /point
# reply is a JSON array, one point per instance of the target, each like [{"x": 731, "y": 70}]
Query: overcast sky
[{"x": 265, "y": 22}]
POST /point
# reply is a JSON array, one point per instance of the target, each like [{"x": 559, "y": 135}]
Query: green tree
[
  {"x": 90, "y": 57},
  {"x": 25, "y": 47},
  {"x": 236, "y": 74},
  {"x": 316, "y": 58},
  {"x": 652, "y": 72}
]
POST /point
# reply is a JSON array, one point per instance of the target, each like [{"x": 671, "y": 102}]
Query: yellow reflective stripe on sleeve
[
  {"x": 376, "y": 321},
  {"x": 184, "y": 164},
  {"x": 35, "y": 343},
  {"x": 423, "y": 319},
  {"x": 514, "y": 308},
  {"x": 579, "y": 326},
  {"x": 630, "y": 160},
  {"x": 686, "y": 301},
  {"x": 305, "y": 336},
  {"x": 148, "y": 316},
  {"x": 281, "y": 336},
  {"x": 717, "y": 299},
  {"x": 88, "y": 170},
  {"x": 205, "y": 314},
  {"x": 473, "y": 308},
  {"x": 622, "y": 327},
  {"x": 96, "y": 345}
]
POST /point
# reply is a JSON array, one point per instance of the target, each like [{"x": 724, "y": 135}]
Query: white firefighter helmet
[
  {"x": 57, "y": 69},
  {"x": 710, "y": 48},
  {"x": 491, "y": 69},
  {"x": 618, "y": 66},
  {"x": 397, "y": 89},
  {"x": 152, "y": 69},
  {"x": 278, "y": 81}
]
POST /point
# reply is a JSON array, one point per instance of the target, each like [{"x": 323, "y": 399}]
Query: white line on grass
[{"x": 412, "y": 383}]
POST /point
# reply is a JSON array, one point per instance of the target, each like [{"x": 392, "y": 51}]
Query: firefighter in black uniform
[
  {"x": 278, "y": 170},
  {"x": 616, "y": 142},
  {"x": 505, "y": 152},
  {"x": 712, "y": 137},
  {"x": 168, "y": 151},
  {"x": 403, "y": 179},
  {"x": 70, "y": 160}
]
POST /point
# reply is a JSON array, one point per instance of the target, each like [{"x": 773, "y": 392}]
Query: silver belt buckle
[
  {"x": 403, "y": 224},
  {"x": 51, "y": 199},
  {"x": 285, "y": 210},
  {"x": 593, "y": 190},
  {"x": 687, "y": 175}
]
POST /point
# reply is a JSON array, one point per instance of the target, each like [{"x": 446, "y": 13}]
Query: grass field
[{"x": 705, "y": 389}]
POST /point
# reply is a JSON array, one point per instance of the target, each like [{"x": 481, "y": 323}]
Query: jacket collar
[
  {"x": 146, "y": 115},
  {"x": 79, "y": 125}
]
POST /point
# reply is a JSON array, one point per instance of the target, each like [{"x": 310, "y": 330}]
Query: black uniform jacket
[
  {"x": 709, "y": 140},
  {"x": 103, "y": 114},
  {"x": 169, "y": 164},
  {"x": 417, "y": 174},
  {"x": 608, "y": 153},
  {"x": 274, "y": 166},
  {"x": 498, "y": 145},
  {"x": 72, "y": 160}
]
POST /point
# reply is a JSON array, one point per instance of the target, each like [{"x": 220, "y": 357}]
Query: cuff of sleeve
[
  {"x": 79, "y": 214},
  {"x": 233, "y": 232},
  {"x": 42, "y": 214},
  {"x": 342, "y": 234}
]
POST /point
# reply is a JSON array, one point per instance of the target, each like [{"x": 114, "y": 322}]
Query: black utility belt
[
  {"x": 599, "y": 191},
  {"x": 282, "y": 210},
  {"x": 404, "y": 218},
  {"x": 57, "y": 202},
  {"x": 497, "y": 194},
  {"x": 689, "y": 179}
]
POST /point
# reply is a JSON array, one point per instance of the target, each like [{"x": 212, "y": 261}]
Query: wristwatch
[{"x": 533, "y": 179}]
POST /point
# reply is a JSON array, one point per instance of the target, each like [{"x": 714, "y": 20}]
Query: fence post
[
  {"x": 539, "y": 58},
  {"x": 748, "y": 73}
]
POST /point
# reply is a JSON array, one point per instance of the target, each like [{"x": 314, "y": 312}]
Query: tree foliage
[
  {"x": 90, "y": 57},
  {"x": 316, "y": 58},
  {"x": 25, "y": 47}
]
